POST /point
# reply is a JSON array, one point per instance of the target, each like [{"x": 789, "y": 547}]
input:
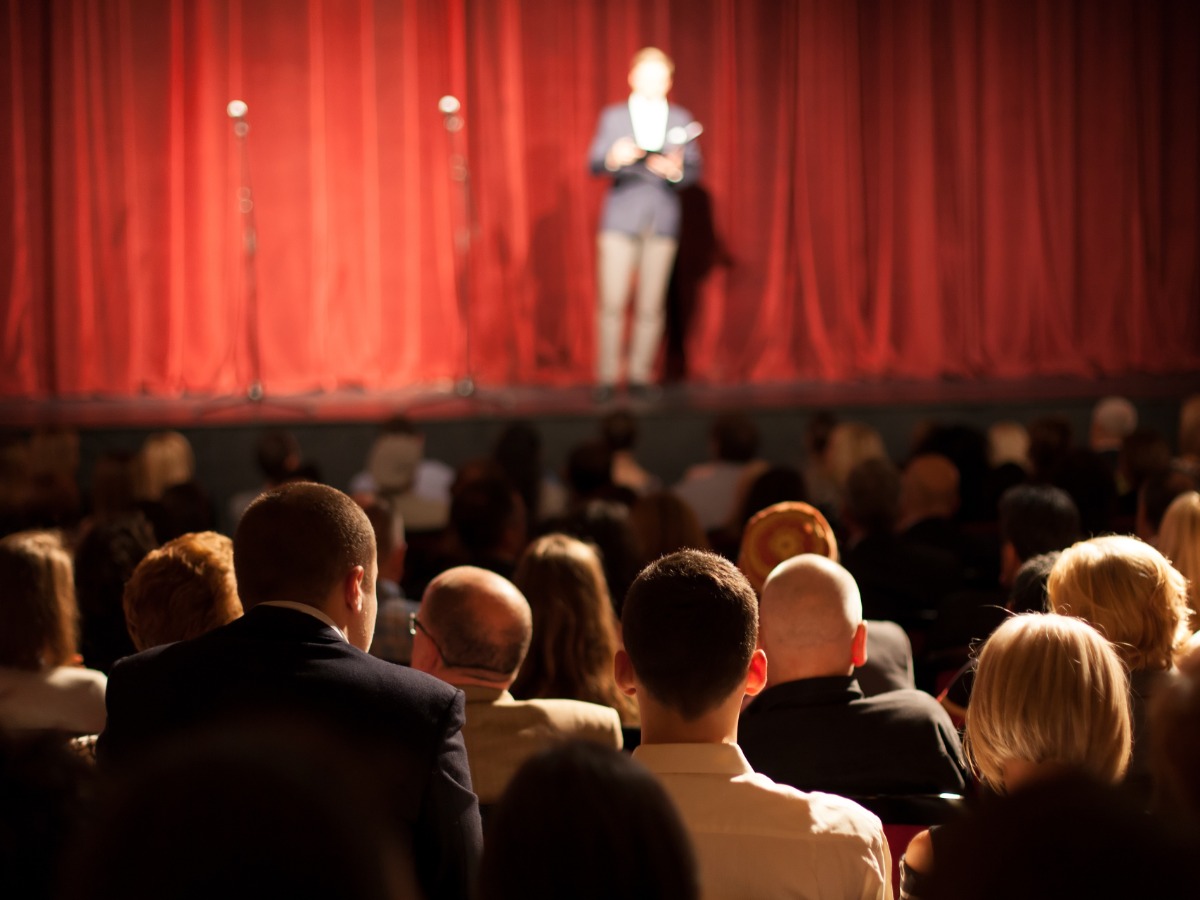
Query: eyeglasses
[{"x": 414, "y": 625}]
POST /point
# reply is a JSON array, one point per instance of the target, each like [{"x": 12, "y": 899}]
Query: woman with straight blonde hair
[
  {"x": 574, "y": 626},
  {"x": 1179, "y": 541},
  {"x": 1051, "y": 698},
  {"x": 42, "y": 686},
  {"x": 1138, "y": 600}
]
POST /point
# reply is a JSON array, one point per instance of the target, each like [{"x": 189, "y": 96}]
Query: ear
[
  {"x": 352, "y": 589},
  {"x": 756, "y": 676},
  {"x": 858, "y": 646},
  {"x": 623, "y": 673}
]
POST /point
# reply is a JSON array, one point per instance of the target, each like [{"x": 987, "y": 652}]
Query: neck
[{"x": 663, "y": 725}]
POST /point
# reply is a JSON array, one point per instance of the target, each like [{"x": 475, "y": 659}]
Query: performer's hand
[
  {"x": 623, "y": 152},
  {"x": 666, "y": 165}
]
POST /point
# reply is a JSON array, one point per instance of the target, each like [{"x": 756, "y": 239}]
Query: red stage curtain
[{"x": 918, "y": 188}]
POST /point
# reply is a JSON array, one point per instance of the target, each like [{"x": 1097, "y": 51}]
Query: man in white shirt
[
  {"x": 690, "y": 627},
  {"x": 646, "y": 146}
]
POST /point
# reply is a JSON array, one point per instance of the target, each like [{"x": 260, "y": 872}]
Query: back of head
[
  {"x": 485, "y": 513},
  {"x": 1113, "y": 418},
  {"x": 619, "y": 430},
  {"x": 1048, "y": 690},
  {"x": 872, "y": 498},
  {"x": 690, "y": 625},
  {"x": 296, "y": 541},
  {"x": 1050, "y": 438},
  {"x": 166, "y": 459},
  {"x": 1129, "y": 592},
  {"x": 634, "y": 844},
  {"x": 278, "y": 455},
  {"x": 778, "y": 484},
  {"x": 735, "y": 437},
  {"x": 1189, "y": 427},
  {"x": 479, "y": 622},
  {"x": 38, "y": 618},
  {"x": 1037, "y": 518},
  {"x": 1028, "y": 592},
  {"x": 1008, "y": 442},
  {"x": 114, "y": 483},
  {"x": 1090, "y": 482},
  {"x": 929, "y": 487},
  {"x": 1156, "y": 494},
  {"x": 573, "y": 623},
  {"x": 393, "y": 460},
  {"x": 1179, "y": 541},
  {"x": 589, "y": 468},
  {"x": 780, "y": 532},
  {"x": 664, "y": 523},
  {"x": 182, "y": 590},
  {"x": 809, "y": 614},
  {"x": 851, "y": 443},
  {"x": 1144, "y": 453},
  {"x": 518, "y": 453}
]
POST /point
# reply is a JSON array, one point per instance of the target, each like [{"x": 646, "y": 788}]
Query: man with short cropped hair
[
  {"x": 690, "y": 625},
  {"x": 305, "y": 563},
  {"x": 812, "y": 727},
  {"x": 473, "y": 631}
]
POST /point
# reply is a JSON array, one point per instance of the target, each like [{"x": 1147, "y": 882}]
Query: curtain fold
[{"x": 904, "y": 189}]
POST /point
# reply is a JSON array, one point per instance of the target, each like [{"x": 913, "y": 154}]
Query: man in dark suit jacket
[
  {"x": 646, "y": 146},
  {"x": 812, "y": 727},
  {"x": 305, "y": 561}
]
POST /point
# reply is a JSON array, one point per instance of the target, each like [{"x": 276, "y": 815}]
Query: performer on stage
[{"x": 645, "y": 145}]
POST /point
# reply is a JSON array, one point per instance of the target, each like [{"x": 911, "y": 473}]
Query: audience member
[
  {"x": 1189, "y": 435},
  {"x": 619, "y": 431},
  {"x": 780, "y": 532},
  {"x": 606, "y": 526},
  {"x": 1156, "y": 495},
  {"x": 42, "y": 686},
  {"x": 1050, "y": 439},
  {"x": 1050, "y": 697},
  {"x": 1136, "y": 599},
  {"x": 165, "y": 460},
  {"x": 1008, "y": 444},
  {"x": 1113, "y": 420},
  {"x": 822, "y": 492},
  {"x": 104, "y": 561},
  {"x": 473, "y": 633},
  {"x": 487, "y": 519},
  {"x": 278, "y": 807},
  {"x": 1034, "y": 519},
  {"x": 585, "y": 822},
  {"x": 305, "y": 562},
  {"x": 182, "y": 590},
  {"x": 1028, "y": 593},
  {"x": 574, "y": 626},
  {"x": 1179, "y": 541},
  {"x": 277, "y": 454},
  {"x": 900, "y": 580},
  {"x": 663, "y": 523},
  {"x": 812, "y": 727},
  {"x": 114, "y": 485},
  {"x": 44, "y": 792},
  {"x": 54, "y": 464},
  {"x": 1144, "y": 453},
  {"x": 392, "y": 639},
  {"x": 1175, "y": 743},
  {"x": 929, "y": 502},
  {"x": 761, "y": 486},
  {"x": 691, "y": 629},
  {"x": 1088, "y": 479},
  {"x": 710, "y": 488},
  {"x": 416, "y": 489},
  {"x": 966, "y": 447},
  {"x": 518, "y": 452},
  {"x": 850, "y": 443}
]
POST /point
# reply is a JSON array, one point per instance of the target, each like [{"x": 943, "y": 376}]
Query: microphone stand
[{"x": 248, "y": 309}]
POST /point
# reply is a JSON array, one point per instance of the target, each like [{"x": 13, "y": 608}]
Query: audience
[
  {"x": 574, "y": 626},
  {"x": 518, "y": 453},
  {"x": 1179, "y": 541},
  {"x": 1155, "y": 497},
  {"x": 812, "y": 727},
  {"x": 585, "y": 822},
  {"x": 305, "y": 562},
  {"x": 277, "y": 455},
  {"x": 165, "y": 460},
  {"x": 619, "y": 431},
  {"x": 182, "y": 590},
  {"x": 1136, "y": 599},
  {"x": 42, "y": 686},
  {"x": 1050, "y": 697},
  {"x": 691, "y": 632},
  {"x": 663, "y": 523},
  {"x": 710, "y": 488},
  {"x": 473, "y": 632}
]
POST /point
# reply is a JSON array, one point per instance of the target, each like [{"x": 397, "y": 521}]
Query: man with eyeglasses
[{"x": 472, "y": 632}]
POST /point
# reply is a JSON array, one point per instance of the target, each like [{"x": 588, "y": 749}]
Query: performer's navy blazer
[
  {"x": 279, "y": 659},
  {"x": 640, "y": 202}
]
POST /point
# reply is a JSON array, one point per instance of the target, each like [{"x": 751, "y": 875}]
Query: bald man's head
[
  {"x": 811, "y": 620},
  {"x": 478, "y": 621}
]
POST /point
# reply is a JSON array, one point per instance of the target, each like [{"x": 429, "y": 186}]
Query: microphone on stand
[
  {"x": 237, "y": 110},
  {"x": 450, "y": 108}
]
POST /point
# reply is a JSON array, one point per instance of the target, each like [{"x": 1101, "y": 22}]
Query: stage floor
[{"x": 443, "y": 402}]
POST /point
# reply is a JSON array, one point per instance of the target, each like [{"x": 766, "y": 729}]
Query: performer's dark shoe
[
  {"x": 603, "y": 393},
  {"x": 649, "y": 393}
]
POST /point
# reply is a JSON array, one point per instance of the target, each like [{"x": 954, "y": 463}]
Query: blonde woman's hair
[
  {"x": 39, "y": 621},
  {"x": 1129, "y": 592},
  {"x": 165, "y": 460},
  {"x": 1049, "y": 689},
  {"x": 1179, "y": 541}
]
